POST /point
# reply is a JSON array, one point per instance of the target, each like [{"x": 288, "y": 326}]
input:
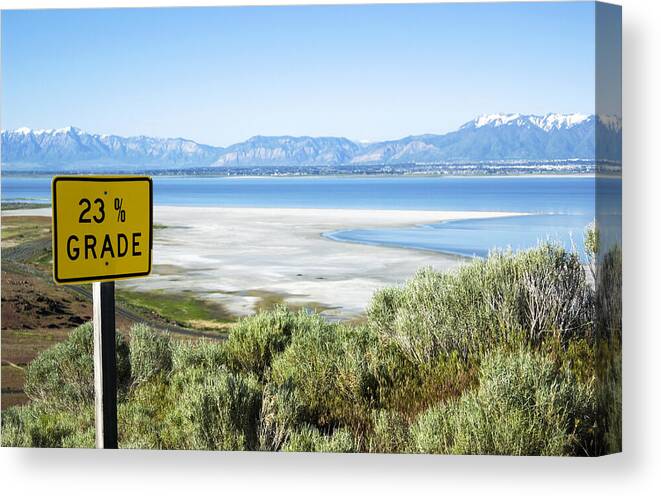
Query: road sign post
[
  {"x": 102, "y": 232},
  {"x": 105, "y": 366}
]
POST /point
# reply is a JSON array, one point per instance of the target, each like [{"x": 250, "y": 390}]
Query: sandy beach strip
[{"x": 235, "y": 256}]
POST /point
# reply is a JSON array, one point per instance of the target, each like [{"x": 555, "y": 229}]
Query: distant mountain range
[{"x": 498, "y": 137}]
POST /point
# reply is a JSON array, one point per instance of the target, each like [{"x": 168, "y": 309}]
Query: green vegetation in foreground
[
  {"x": 502, "y": 357},
  {"x": 182, "y": 308}
]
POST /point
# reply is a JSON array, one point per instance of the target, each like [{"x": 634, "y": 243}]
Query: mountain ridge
[{"x": 489, "y": 137}]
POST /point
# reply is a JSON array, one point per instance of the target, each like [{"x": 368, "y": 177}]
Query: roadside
[{"x": 37, "y": 314}]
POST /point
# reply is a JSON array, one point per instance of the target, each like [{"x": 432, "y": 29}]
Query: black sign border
[{"x": 102, "y": 180}]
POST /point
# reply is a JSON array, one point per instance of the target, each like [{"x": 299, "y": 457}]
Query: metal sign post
[{"x": 105, "y": 366}]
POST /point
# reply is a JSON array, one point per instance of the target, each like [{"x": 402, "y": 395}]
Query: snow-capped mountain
[
  {"x": 486, "y": 138},
  {"x": 507, "y": 137},
  {"x": 71, "y": 147},
  {"x": 546, "y": 122}
]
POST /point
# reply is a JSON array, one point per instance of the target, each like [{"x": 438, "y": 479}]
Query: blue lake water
[{"x": 559, "y": 208}]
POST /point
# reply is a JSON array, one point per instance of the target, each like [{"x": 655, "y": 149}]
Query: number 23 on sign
[{"x": 102, "y": 228}]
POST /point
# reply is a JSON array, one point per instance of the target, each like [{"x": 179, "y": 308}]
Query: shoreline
[
  {"x": 233, "y": 253},
  {"x": 232, "y": 256},
  {"x": 330, "y": 237}
]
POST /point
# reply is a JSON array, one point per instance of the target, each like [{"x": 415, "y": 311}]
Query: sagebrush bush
[
  {"x": 485, "y": 304},
  {"x": 606, "y": 267},
  {"x": 337, "y": 375},
  {"x": 556, "y": 293},
  {"x": 523, "y": 406},
  {"x": 608, "y": 294},
  {"x": 383, "y": 307},
  {"x": 217, "y": 410},
  {"x": 612, "y": 406},
  {"x": 35, "y": 426},
  {"x": 14, "y": 433},
  {"x": 280, "y": 415},
  {"x": 325, "y": 366},
  {"x": 390, "y": 432},
  {"x": 304, "y": 439},
  {"x": 204, "y": 354},
  {"x": 81, "y": 438},
  {"x": 142, "y": 418},
  {"x": 309, "y": 439},
  {"x": 609, "y": 397},
  {"x": 577, "y": 356},
  {"x": 255, "y": 341},
  {"x": 63, "y": 376},
  {"x": 409, "y": 387},
  {"x": 150, "y": 353},
  {"x": 340, "y": 441}
]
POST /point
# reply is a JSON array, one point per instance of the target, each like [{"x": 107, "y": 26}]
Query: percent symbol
[{"x": 121, "y": 213}]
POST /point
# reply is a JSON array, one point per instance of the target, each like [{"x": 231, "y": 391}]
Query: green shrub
[
  {"x": 556, "y": 295},
  {"x": 216, "y": 411},
  {"x": 409, "y": 387},
  {"x": 485, "y": 304},
  {"x": 390, "y": 433},
  {"x": 208, "y": 355},
  {"x": 605, "y": 264},
  {"x": 255, "y": 341},
  {"x": 326, "y": 368},
  {"x": 608, "y": 289},
  {"x": 303, "y": 440},
  {"x": 309, "y": 439},
  {"x": 578, "y": 357},
  {"x": 63, "y": 375},
  {"x": 383, "y": 307},
  {"x": 523, "y": 406},
  {"x": 150, "y": 353},
  {"x": 281, "y": 413},
  {"x": 606, "y": 267},
  {"x": 35, "y": 426},
  {"x": 355, "y": 383},
  {"x": 336, "y": 375},
  {"x": 591, "y": 242},
  {"x": 341, "y": 441},
  {"x": 142, "y": 418},
  {"x": 609, "y": 397},
  {"x": 613, "y": 409},
  {"x": 81, "y": 439},
  {"x": 14, "y": 433}
]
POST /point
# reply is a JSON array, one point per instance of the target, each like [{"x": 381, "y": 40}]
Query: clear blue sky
[{"x": 221, "y": 75}]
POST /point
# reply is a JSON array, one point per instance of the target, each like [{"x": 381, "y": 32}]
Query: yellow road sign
[{"x": 102, "y": 228}]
